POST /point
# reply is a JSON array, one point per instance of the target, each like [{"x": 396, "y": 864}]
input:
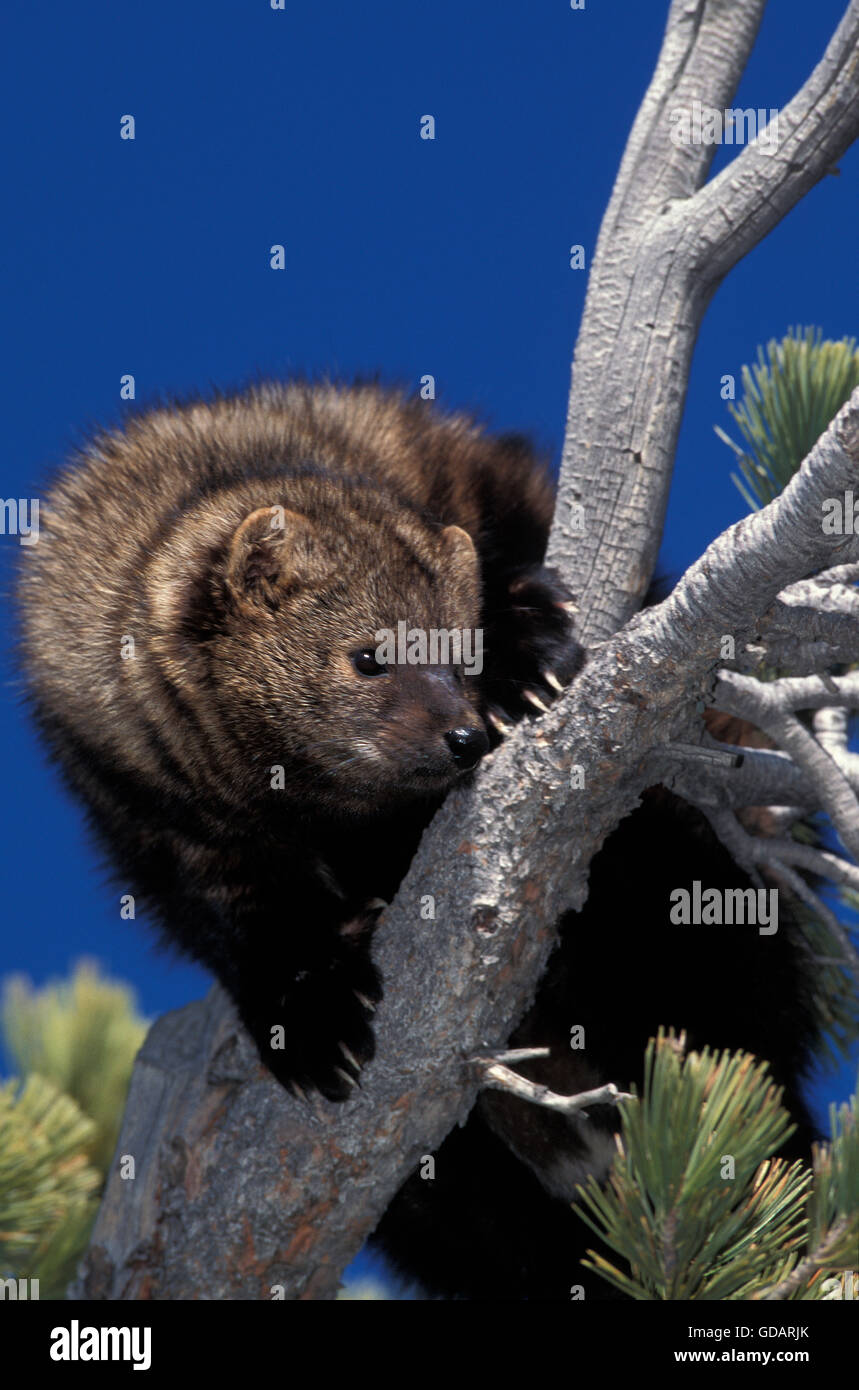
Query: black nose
[{"x": 467, "y": 746}]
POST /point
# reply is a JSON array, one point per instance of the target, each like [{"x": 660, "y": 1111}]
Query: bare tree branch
[
  {"x": 770, "y": 706},
  {"x": 831, "y": 729},
  {"x": 497, "y": 1077},
  {"x": 665, "y": 244},
  {"x": 779, "y": 856},
  {"x": 739, "y": 207}
]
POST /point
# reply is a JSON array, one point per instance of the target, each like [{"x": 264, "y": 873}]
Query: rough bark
[
  {"x": 239, "y": 1188},
  {"x": 666, "y": 242}
]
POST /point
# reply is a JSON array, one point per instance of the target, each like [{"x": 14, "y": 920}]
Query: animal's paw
[
  {"x": 314, "y": 1033},
  {"x": 532, "y": 651}
]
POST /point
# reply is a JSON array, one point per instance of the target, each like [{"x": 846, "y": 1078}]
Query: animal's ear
[
  {"x": 459, "y": 552},
  {"x": 271, "y": 552}
]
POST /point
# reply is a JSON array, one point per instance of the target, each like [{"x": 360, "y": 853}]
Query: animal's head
[{"x": 351, "y": 637}]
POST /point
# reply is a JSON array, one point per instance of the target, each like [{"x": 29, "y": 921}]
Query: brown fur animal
[
  {"x": 201, "y": 620},
  {"x": 200, "y": 624}
]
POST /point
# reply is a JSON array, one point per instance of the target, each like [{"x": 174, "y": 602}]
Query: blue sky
[{"x": 403, "y": 256}]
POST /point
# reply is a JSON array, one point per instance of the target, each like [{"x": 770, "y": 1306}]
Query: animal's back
[{"x": 110, "y": 513}]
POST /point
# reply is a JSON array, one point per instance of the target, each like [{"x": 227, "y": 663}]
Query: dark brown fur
[{"x": 248, "y": 547}]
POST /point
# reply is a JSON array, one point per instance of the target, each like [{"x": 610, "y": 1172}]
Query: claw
[
  {"x": 567, "y": 606},
  {"x": 350, "y": 1057},
  {"x": 346, "y": 1077},
  {"x": 535, "y": 701},
  {"x": 376, "y": 905},
  {"x": 364, "y": 1001},
  {"x": 296, "y": 1090},
  {"x": 552, "y": 681},
  {"x": 500, "y": 725}
]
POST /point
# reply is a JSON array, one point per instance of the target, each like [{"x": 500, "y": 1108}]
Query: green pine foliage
[
  {"x": 83, "y": 1034},
  {"x": 47, "y": 1186},
  {"x": 697, "y": 1209},
  {"x": 833, "y": 1239},
  {"x": 791, "y": 394},
  {"x": 74, "y": 1044}
]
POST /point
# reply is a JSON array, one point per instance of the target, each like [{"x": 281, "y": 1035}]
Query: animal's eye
[{"x": 365, "y": 662}]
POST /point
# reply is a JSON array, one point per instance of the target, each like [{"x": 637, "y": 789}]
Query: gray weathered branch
[
  {"x": 495, "y": 1076},
  {"x": 666, "y": 242}
]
